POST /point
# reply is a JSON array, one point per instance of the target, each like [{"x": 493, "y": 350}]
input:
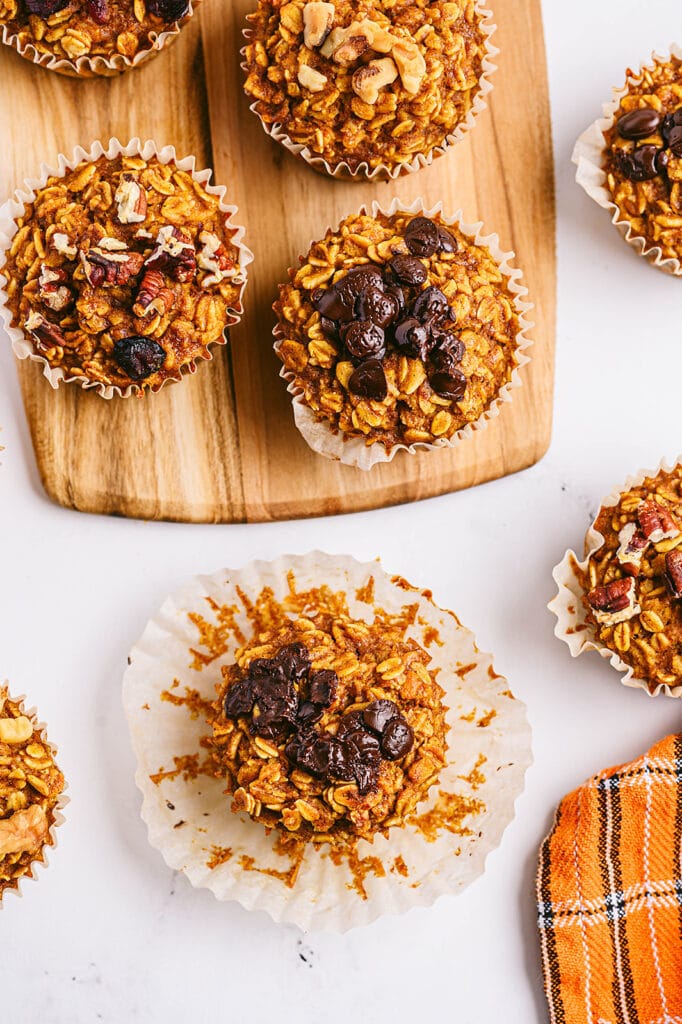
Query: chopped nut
[
  {"x": 656, "y": 522},
  {"x": 673, "y": 572},
  {"x": 106, "y": 264},
  {"x": 411, "y": 64},
  {"x": 61, "y": 243},
  {"x": 213, "y": 257},
  {"x": 23, "y": 831},
  {"x": 370, "y": 78},
  {"x": 174, "y": 254},
  {"x": 311, "y": 79},
  {"x": 15, "y": 730},
  {"x": 51, "y": 288},
  {"x": 153, "y": 296},
  {"x": 318, "y": 19},
  {"x": 350, "y": 50},
  {"x": 632, "y": 545},
  {"x": 46, "y": 334},
  {"x": 131, "y": 199},
  {"x": 614, "y": 602}
]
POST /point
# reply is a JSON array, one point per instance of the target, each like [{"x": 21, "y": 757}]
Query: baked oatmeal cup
[
  {"x": 630, "y": 161},
  {"x": 121, "y": 269},
  {"x": 84, "y": 38},
  {"x": 31, "y": 788},
  {"x": 370, "y": 89},
  {"x": 399, "y": 330},
  {"x": 625, "y": 598},
  {"x": 319, "y": 740}
]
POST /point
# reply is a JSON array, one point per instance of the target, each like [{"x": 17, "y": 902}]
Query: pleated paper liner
[
  {"x": 354, "y": 451},
  {"x": 488, "y": 741},
  {"x": 572, "y": 625},
  {"x": 11, "y": 211},
  {"x": 588, "y": 155}
]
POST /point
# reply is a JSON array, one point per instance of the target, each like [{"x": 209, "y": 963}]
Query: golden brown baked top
[
  {"x": 633, "y": 583},
  {"x": 30, "y": 785},
  {"x": 329, "y": 727},
  {"x": 398, "y": 329},
  {"x": 377, "y": 81},
  {"x": 71, "y": 29},
  {"x": 643, "y": 156},
  {"x": 123, "y": 272}
]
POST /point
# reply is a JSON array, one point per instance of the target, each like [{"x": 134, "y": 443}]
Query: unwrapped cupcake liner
[
  {"x": 95, "y": 66},
  {"x": 15, "y": 208},
  {"x": 321, "y": 897},
  {"x": 588, "y": 155},
  {"x": 62, "y": 801},
  {"x": 572, "y": 624},
  {"x": 354, "y": 451},
  {"x": 382, "y": 172}
]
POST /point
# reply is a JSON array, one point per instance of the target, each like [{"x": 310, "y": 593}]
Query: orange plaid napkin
[{"x": 610, "y": 896}]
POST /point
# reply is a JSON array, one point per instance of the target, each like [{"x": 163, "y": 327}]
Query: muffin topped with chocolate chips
[
  {"x": 69, "y": 30},
  {"x": 397, "y": 329},
  {"x": 633, "y": 581},
  {"x": 123, "y": 272},
  {"x": 643, "y": 156},
  {"x": 328, "y": 728},
  {"x": 366, "y": 85}
]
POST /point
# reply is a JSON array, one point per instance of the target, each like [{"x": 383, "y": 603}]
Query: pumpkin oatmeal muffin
[
  {"x": 123, "y": 272},
  {"x": 328, "y": 727},
  {"x": 85, "y": 37},
  {"x": 30, "y": 788},
  {"x": 376, "y": 86},
  {"x": 397, "y": 329}
]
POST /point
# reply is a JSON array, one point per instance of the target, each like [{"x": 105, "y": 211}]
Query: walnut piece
[
  {"x": 15, "y": 730},
  {"x": 673, "y": 572},
  {"x": 370, "y": 78},
  {"x": 23, "y": 831},
  {"x": 411, "y": 64},
  {"x": 632, "y": 545},
  {"x": 318, "y": 19},
  {"x": 213, "y": 258},
  {"x": 62, "y": 245},
  {"x": 311, "y": 79},
  {"x": 350, "y": 50},
  {"x": 46, "y": 334}
]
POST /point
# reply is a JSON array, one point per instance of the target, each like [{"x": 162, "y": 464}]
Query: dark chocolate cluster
[
  {"x": 372, "y": 309},
  {"x": 98, "y": 10},
  {"x": 284, "y": 698},
  {"x": 645, "y": 162}
]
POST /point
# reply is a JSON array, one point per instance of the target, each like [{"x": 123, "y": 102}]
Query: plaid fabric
[{"x": 609, "y": 892}]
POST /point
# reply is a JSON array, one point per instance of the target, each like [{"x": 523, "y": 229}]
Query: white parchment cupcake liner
[
  {"x": 13, "y": 209},
  {"x": 59, "y": 806},
  {"x": 588, "y": 155},
  {"x": 96, "y": 66},
  {"x": 321, "y": 897},
  {"x": 353, "y": 451},
  {"x": 382, "y": 172},
  {"x": 572, "y": 625}
]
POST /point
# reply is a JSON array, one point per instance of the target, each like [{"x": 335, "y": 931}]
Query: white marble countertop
[{"x": 109, "y": 933}]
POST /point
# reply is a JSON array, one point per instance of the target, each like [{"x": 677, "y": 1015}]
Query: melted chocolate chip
[
  {"x": 446, "y": 241},
  {"x": 309, "y": 752},
  {"x": 414, "y": 338},
  {"x": 662, "y": 161},
  {"x": 239, "y": 699},
  {"x": 309, "y": 713},
  {"x": 378, "y": 714},
  {"x": 409, "y": 269},
  {"x": 369, "y": 381},
  {"x": 399, "y": 295},
  {"x": 432, "y": 304},
  {"x": 44, "y": 8},
  {"x": 638, "y": 124},
  {"x": 168, "y": 10},
  {"x": 675, "y": 140},
  {"x": 397, "y": 739},
  {"x": 139, "y": 357},
  {"x": 447, "y": 360},
  {"x": 378, "y": 306},
  {"x": 331, "y": 305},
  {"x": 450, "y": 385},
  {"x": 421, "y": 237},
  {"x": 329, "y": 328},
  {"x": 364, "y": 340},
  {"x": 669, "y": 122},
  {"x": 294, "y": 660},
  {"x": 322, "y": 686},
  {"x": 357, "y": 280},
  {"x": 640, "y": 164}
]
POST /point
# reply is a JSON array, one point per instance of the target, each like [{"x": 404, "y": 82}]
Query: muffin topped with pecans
[
  {"x": 633, "y": 581},
  {"x": 643, "y": 156},
  {"x": 30, "y": 787},
  {"x": 123, "y": 272},
  {"x": 328, "y": 727},
  {"x": 366, "y": 85},
  {"x": 63, "y": 33},
  {"x": 397, "y": 329}
]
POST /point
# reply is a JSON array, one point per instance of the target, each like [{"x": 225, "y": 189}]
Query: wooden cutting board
[{"x": 221, "y": 446}]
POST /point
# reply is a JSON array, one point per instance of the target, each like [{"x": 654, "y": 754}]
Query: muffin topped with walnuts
[
  {"x": 123, "y": 272},
  {"x": 397, "y": 329},
  {"x": 366, "y": 85}
]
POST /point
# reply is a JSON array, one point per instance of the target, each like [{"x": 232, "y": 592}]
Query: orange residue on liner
[
  {"x": 469, "y": 717},
  {"x": 400, "y": 867},
  {"x": 449, "y": 813},
  {"x": 360, "y": 867},
  {"x": 219, "y": 855},
  {"x": 192, "y": 700},
  {"x": 187, "y": 765},
  {"x": 464, "y": 670},
  {"x": 366, "y": 593},
  {"x": 145, "y": 707},
  {"x": 430, "y": 634},
  {"x": 486, "y": 719},
  {"x": 213, "y": 637},
  {"x": 475, "y": 778},
  {"x": 294, "y": 850}
]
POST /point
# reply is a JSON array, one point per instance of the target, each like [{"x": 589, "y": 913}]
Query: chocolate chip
[
  {"x": 322, "y": 686},
  {"x": 378, "y": 714},
  {"x": 447, "y": 360},
  {"x": 640, "y": 164},
  {"x": 239, "y": 699},
  {"x": 44, "y": 8},
  {"x": 378, "y": 306},
  {"x": 409, "y": 269},
  {"x": 450, "y": 385},
  {"x": 421, "y": 237},
  {"x": 331, "y": 305},
  {"x": 414, "y": 338},
  {"x": 167, "y": 10},
  {"x": 349, "y": 723},
  {"x": 364, "y": 340},
  {"x": 675, "y": 140},
  {"x": 369, "y": 381},
  {"x": 397, "y": 740},
  {"x": 340, "y": 766},
  {"x": 329, "y": 328},
  {"x": 669, "y": 122},
  {"x": 432, "y": 304},
  {"x": 310, "y": 752},
  {"x": 294, "y": 660},
  {"x": 309, "y": 713},
  {"x": 638, "y": 124},
  {"x": 446, "y": 241},
  {"x": 139, "y": 357},
  {"x": 357, "y": 280},
  {"x": 399, "y": 295},
  {"x": 662, "y": 161}
]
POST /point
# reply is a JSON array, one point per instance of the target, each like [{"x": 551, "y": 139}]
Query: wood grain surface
[{"x": 221, "y": 446}]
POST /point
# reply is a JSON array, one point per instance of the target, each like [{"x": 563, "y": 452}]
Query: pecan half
[
  {"x": 174, "y": 254},
  {"x": 614, "y": 602},
  {"x": 52, "y": 290},
  {"x": 131, "y": 199},
  {"x": 110, "y": 263},
  {"x": 673, "y": 571},
  {"x": 45, "y": 334},
  {"x": 152, "y": 295},
  {"x": 317, "y": 22},
  {"x": 633, "y": 544},
  {"x": 656, "y": 522}
]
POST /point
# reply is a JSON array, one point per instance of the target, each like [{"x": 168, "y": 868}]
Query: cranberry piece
[
  {"x": 44, "y": 8},
  {"x": 139, "y": 357},
  {"x": 98, "y": 10}
]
